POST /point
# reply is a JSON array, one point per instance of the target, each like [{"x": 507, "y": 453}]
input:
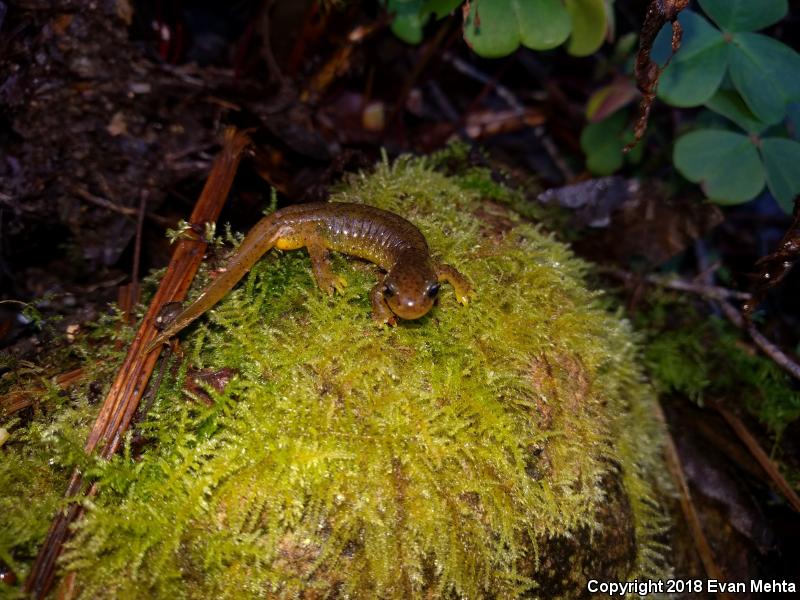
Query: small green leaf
[
  {"x": 544, "y": 24},
  {"x": 781, "y": 159},
  {"x": 589, "y": 25},
  {"x": 765, "y": 72},
  {"x": 602, "y": 142},
  {"x": 438, "y": 8},
  {"x": 745, "y": 15},
  {"x": 407, "y": 23},
  {"x": 699, "y": 65},
  {"x": 491, "y": 29},
  {"x": 730, "y": 104},
  {"x": 495, "y": 28},
  {"x": 725, "y": 164}
]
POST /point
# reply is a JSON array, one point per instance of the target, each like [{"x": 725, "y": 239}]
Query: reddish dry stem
[
  {"x": 687, "y": 507},
  {"x": 773, "y": 268},
  {"x": 648, "y": 72},
  {"x": 340, "y": 63},
  {"x": 18, "y": 400},
  {"x": 760, "y": 455},
  {"x": 128, "y": 388}
]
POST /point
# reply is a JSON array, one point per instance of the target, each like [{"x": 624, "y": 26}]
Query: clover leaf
[
  {"x": 589, "y": 25},
  {"x": 724, "y": 163},
  {"x": 732, "y": 167},
  {"x": 495, "y": 28},
  {"x": 410, "y": 16},
  {"x": 781, "y": 158},
  {"x": 763, "y": 71},
  {"x": 698, "y": 67},
  {"x": 729, "y": 104},
  {"x": 603, "y": 143},
  {"x": 439, "y": 8},
  {"x": 745, "y": 15},
  {"x": 407, "y": 23}
]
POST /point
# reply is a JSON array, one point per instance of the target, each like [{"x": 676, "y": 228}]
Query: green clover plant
[
  {"x": 410, "y": 16},
  {"x": 751, "y": 80},
  {"x": 604, "y": 142},
  {"x": 495, "y": 28},
  {"x": 723, "y": 64}
]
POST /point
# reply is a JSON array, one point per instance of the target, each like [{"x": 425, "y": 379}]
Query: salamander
[{"x": 407, "y": 289}]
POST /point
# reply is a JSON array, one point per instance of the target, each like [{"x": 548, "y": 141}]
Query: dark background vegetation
[{"x": 111, "y": 113}]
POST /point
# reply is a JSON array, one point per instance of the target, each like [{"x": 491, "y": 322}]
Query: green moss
[
  {"x": 46, "y": 440},
  {"x": 440, "y": 457},
  {"x": 473, "y": 171},
  {"x": 690, "y": 354}
]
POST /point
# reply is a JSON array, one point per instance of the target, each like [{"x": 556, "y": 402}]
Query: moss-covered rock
[{"x": 503, "y": 449}]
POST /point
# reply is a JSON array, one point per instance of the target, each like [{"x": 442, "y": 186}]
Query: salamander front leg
[
  {"x": 381, "y": 313},
  {"x": 326, "y": 279},
  {"x": 461, "y": 286}
]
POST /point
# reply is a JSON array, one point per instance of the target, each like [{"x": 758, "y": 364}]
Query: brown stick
[
  {"x": 129, "y": 294},
  {"x": 758, "y": 453},
  {"x": 129, "y": 386},
  {"x": 714, "y": 292},
  {"x": 779, "y": 357},
  {"x": 123, "y": 210},
  {"x": 721, "y": 296},
  {"x": 647, "y": 71},
  {"x": 687, "y": 507},
  {"x": 137, "y": 252},
  {"x": 17, "y": 400},
  {"x": 340, "y": 63}
]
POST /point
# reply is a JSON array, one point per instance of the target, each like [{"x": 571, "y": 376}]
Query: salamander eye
[
  {"x": 388, "y": 290},
  {"x": 433, "y": 290}
]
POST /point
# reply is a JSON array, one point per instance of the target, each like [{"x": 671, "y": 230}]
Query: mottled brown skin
[{"x": 407, "y": 290}]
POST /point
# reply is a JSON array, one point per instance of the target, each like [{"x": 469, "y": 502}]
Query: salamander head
[{"x": 410, "y": 289}]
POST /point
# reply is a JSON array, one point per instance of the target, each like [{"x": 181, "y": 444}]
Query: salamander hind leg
[
  {"x": 326, "y": 279},
  {"x": 266, "y": 234},
  {"x": 463, "y": 288}
]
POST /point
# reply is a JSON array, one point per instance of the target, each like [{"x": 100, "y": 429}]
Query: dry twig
[
  {"x": 432, "y": 48},
  {"x": 340, "y": 63},
  {"x": 721, "y": 297},
  {"x": 783, "y": 360},
  {"x": 131, "y": 381},
  {"x": 17, "y": 400},
  {"x": 713, "y": 292},
  {"x": 774, "y": 267},
  {"x": 687, "y": 506},
  {"x": 123, "y": 210},
  {"x": 647, "y": 71},
  {"x": 759, "y": 454}
]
